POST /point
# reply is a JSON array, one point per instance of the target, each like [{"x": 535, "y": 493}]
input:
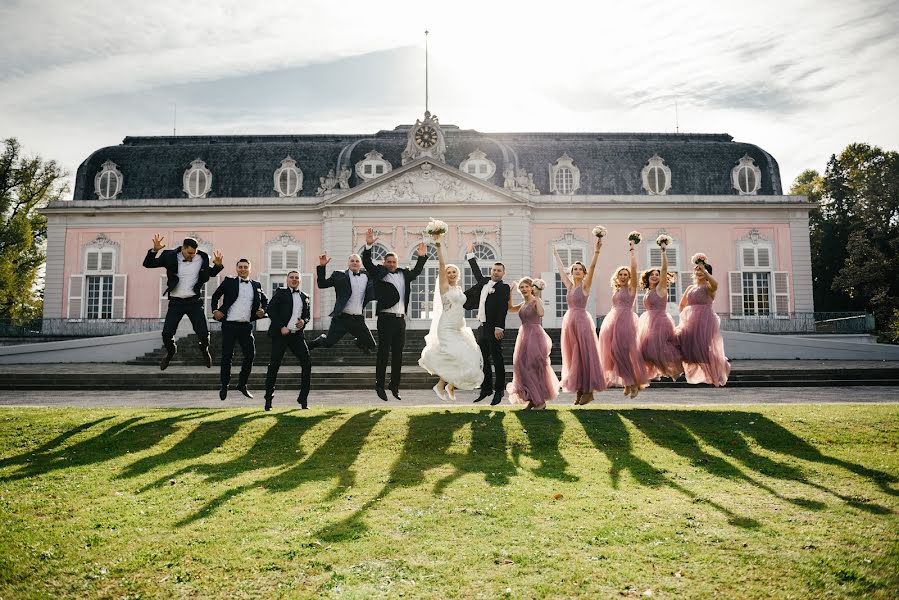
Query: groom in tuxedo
[
  {"x": 392, "y": 286},
  {"x": 244, "y": 302},
  {"x": 490, "y": 296},
  {"x": 354, "y": 290}
]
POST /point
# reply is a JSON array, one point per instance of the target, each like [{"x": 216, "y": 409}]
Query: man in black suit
[
  {"x": 392, "y": 286},
  {"x": 244, "y": 302},
  {"x": 288, "y": 311},
  {"x": 354, "y": 290},
  {"x": 490, "y": 296},
  {"x": 187, "y": 269}
]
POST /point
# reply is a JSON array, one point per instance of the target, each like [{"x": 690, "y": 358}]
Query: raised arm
[
  {"x": 662, "y": 287},
  {"x": 561, "y": 268},
  {"x": 588, "y": 280},
  {"x": 473, "y": 263},
  {"x": 441, "y": 268},
  {"x": 633, "y": 282},
  {"x": 421, "y": 262},
  {"x": 151, "y": 261},
  {"x": 320, "y": 280},
  {"x": 217, "y": 265},
  {"x": 713, "y": 284}
]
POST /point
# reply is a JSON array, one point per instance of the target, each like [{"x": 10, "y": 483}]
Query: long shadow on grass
[
  {"x": 332, "y": 460},
  {"x": 544, "y": 430},
  {"x": 135, "y": 434},
  {"x": 427, "y": 446},
  {"x": 682, "y": 430},
  {"x": 608, "y": 433}
]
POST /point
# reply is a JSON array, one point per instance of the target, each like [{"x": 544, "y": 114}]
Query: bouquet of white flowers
[
  {"x": 699, "y": 257},
  {"x": 634, "y": 237},
  {"x": 539, "y": 285},
  {"x": 663, "y": 240},
  {"x": 600, "y": 231},
  {"x": 436, "y": 227}
]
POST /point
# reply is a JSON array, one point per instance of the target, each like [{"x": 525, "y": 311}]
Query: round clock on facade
[{"x": 426, "y": 137}]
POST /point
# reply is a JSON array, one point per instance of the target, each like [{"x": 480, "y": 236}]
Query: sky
[{"x": 801, "y": 79}]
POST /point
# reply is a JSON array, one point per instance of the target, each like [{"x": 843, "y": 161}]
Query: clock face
[{"x": 426, "y": 137}]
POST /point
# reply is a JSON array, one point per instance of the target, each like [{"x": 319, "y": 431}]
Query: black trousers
[
  {"x": 492, "y": 351},
  {"x": 391, "y": 339},
  {"x": 297, "y": 345},
  {"x": 242, "y": 333},
  {"x": 178, "y": 307},
  {"x": 341, "y": 325}
]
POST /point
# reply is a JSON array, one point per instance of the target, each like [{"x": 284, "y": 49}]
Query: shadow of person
[
  {"x": 608, "y": 433},
  {"x": 132, "y": 435},
  {"x": 50, "y": 445},
  {"x": 544, "y": 430},
  {"x": 429, "y": 445}
]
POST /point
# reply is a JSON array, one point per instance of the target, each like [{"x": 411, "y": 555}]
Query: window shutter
[
  {"x": 106, "y": 261},
  {"x": 781, "y": 295},
  {"x": 763, "y": 258},
  {"x": 576, "y": 254},
  {"x": 307, "y": 284},
  {"x": 549, "y": 299},
  {"x": 276, "y": 260},
  {"x": 672, "y": 258},
  {"x": 163, "y": 300},
  {"x": 119, "y": 291},
  {"x": 639, "y": 303},
  {"x": 76, "y": 296},
  {"x": 292, "y": 260},
  {"x": 264, "y": 283},
  {"x": 735, "y": 279},
  {"x": 686, "y": 280},
  {"x": 205, "y": 293},
  {"x": 748, "y": 257},
  {"x": 655, "y": 257},
  {"x": 93, "y": 261}
]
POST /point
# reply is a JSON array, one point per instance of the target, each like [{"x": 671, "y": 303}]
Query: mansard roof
[{"x": 243, "y": 166}]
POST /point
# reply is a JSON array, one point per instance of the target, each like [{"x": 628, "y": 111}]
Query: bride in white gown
[{"x": 451, "y": 351}]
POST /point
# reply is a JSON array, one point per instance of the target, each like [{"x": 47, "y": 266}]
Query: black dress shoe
[
  {"x": 497, "y": 398},
  {"x": 314, "y": 344},
  {"x": 302, "y": 403},
  {"x": 381, "y": 393},
  {"x": 268, "y": 404},
  {"x": 395, "y": 390},
  {"x": 207, "y": 358},
  {"x": 223, "y": 392},
  {"x": 166, "y": 359},
  {"x": 243, "y": 390},
  {"x": 483, "y": 395}
]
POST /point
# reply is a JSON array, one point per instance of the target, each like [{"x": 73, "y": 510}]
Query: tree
[
  {"x": 855, "y": 231},
  {"x": 26, "y": 185}
]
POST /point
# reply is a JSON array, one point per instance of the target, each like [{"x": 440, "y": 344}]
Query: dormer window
[
  {"x": 372, "y": 166},
  {"x": 564, "y": 176},
  {"x": 197, "y": 180},
  {"x": 656, "y": 176},
  {"x": 108, "y": 182},
  {"x": 746, "y": 176},
  {"x": 288, "y": 179},
  {"x": 478, "y": 165}
]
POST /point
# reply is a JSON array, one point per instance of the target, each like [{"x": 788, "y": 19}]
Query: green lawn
[{"x": 793, "y": 501}]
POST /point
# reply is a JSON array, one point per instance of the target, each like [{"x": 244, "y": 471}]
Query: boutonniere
[{"x": 491, "y": 290}]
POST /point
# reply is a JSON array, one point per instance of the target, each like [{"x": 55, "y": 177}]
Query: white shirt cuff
[
  {"x": 469, "y": 256},
  {"x": 498, "y": 329}
]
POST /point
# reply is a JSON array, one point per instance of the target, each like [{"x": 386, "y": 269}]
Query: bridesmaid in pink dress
[
  {"x": 622, "y": 362},
  {"x": 698, "y": 334},
  {"x": 533, "y": 379},
  {"x": 581, "y": 368},
  {"x": 656, "y": 338}
]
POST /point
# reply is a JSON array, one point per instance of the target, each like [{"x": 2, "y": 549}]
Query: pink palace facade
[{"x": 282, "y": 200}]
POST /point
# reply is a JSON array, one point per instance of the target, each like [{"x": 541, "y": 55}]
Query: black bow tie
[
  {"x": 245, "y": 281},
  {"x": 294, "y": 291},
  {"x": 356, "y": 274}
]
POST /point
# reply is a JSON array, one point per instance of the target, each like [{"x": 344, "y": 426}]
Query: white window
[
  {"x": 478, "y": 165},
  {"x": 197, "y": 180},
  {"x": 568, "y": 254},
  {"x": 378, "y": 252},
  {"x": 757, "y": 290},
  {"x": 372, "y": 166},
  {"x": 677, "y": 286},
  {"x": 108, "y": 181},
  {"x": 288, "y": 179},
  {"x": 98, "y": 292},
  {"x": 746, "y": 176},
  {"x": 281, "y": 261},
  {"x": 564, "y": 176},
  {"x": 656, "y": 176},
  {"x": 486, "y": 257},
  {"x": 421, "y": 293}
]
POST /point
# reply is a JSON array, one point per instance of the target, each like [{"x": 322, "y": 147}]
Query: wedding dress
[{"x": 451, "y": 351}]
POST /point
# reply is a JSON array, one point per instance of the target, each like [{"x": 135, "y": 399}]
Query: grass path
[{"x": 761, "y": 501}]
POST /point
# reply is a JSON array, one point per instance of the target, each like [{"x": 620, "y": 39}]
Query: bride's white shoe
[
  {"x": 441, "y": 392},
  {"x": 451, "y": 395}
]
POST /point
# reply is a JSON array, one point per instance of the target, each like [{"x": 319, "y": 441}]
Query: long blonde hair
[{"x": 614, "y": 280}]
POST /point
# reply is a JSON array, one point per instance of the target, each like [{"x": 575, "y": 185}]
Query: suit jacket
[
  {"x": 169, "y": 260},
  {"x": 280, "y": 307},
  {"x": 496, "y": 306},
  {"x": 230, "y": 288},
  {"x": 340, "y": 281},
  {"x": 385, "y": 293}
]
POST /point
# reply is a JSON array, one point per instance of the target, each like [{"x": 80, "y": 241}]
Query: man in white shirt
[
  {"x": 354, "y": 289},
  {"x": 392, "y": 291},
  {"x": 243, "y": 301},
  {"x": 288, "y": 311},
  {"x": 187, "y": 270}
]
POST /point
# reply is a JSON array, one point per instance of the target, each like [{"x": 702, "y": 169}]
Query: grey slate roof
[{"x": 242, "y": 166}]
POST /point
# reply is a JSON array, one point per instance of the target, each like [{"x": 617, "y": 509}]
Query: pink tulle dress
[
  {"x": 581, "y": 369},
  {"x": 622, "y": 362},
  {"x": 533, "y": 378},
  {"x": 699, "y": 338},
  {"x": 657, "y": 340}
]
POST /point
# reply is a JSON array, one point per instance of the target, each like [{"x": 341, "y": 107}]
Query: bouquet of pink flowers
[
  {"x": 539, "y": 285},
  {"x": 663, "y": 240},
  {"x": 634, "y": 237},
  {"x": 699, "y": 257},
  {"x": 600, "y": 231}
]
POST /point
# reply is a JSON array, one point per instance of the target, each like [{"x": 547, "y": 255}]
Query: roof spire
[{"x": 426, "y": 74}]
